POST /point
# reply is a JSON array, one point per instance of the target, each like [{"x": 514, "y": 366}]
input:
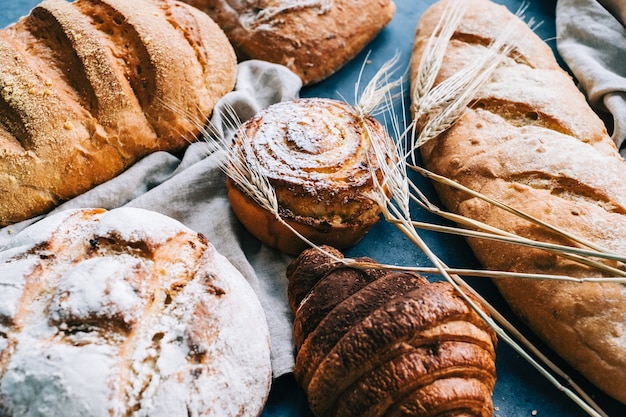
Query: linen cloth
[
  {"x": 591, "y": 39},
  {"x": 192, "y": 190}
]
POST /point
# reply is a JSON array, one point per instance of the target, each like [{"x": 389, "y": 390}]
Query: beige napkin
[
  {"x": 192, "y": 190},
  {"x": 591, "y": 39}
]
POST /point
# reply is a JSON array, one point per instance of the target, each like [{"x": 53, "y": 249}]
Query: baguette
[
  {"x": 89, "y": 87},
  {"x": 530, "y": 140}
]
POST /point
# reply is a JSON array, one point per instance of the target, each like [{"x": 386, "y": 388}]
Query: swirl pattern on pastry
[{"x": 318, "y": 156}]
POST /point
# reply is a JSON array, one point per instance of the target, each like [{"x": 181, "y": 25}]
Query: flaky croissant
[{"x": 376, "y": 343}]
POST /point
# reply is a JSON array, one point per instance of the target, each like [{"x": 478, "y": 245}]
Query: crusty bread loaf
[
  {"x": 530, "y": 140},
  {"x": 376, "y": 343},
  {"x": 313, "y": 38},
  {"x": 127, "y": 313},
  {"x": 89, "y": 87},
  {"x": 318, "y": 156}
]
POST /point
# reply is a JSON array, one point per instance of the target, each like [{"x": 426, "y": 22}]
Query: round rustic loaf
[
  {"x": 318, "y": 156},
  {"x": 127, "y": 313},
  {"x": 87, "y": 88}
]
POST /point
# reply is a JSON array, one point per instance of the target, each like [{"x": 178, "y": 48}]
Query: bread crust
[
  {"x": 318, "y": 156},
  {"x": 530, "y": 140},
  {"x": 127, "y": 312},
  {"x": 313, "y": 38},
  {"x": 376, "y": 343},
  {"x": 87, "y": 88}
]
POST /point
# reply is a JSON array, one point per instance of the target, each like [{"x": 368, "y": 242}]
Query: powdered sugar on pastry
[{"x": 123, "y": 313}]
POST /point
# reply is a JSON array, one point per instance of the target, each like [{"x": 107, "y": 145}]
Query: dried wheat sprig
[
  {"x": 435, "y": 48},
  {"x": 451, "y": 183},
  {"x": 395, "y": 209},
  {"x": 373, "y": 100},
  {"x": 478, "y": 273},
  {"x": 516, "y": 240}
]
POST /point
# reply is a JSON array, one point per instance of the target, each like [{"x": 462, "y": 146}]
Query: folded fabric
[
  {"x": 192, "y": 190},
  {"x": 591, "y": 39}
]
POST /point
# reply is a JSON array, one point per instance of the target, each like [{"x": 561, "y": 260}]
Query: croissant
[{"x": 376, "y": 343}]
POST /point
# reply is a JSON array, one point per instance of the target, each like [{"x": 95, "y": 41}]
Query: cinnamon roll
[{"x": 319, "y": 158}]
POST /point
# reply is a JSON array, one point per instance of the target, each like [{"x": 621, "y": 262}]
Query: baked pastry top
[
  {"x": 318, "y": 155},
  {"x": 376, "y": 343}
]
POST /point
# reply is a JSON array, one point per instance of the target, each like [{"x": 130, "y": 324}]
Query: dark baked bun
[
  {"x": 318, "y": 156},
  {"x": 374, "y": 343},
  {"x": 127, "y": 312},
  {"x": 313, "y": 38}
]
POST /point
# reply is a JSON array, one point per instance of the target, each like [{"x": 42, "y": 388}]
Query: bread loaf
[
  {"x": 127, "y": 313},
  {"x": 530, "y": 140},
  {"x": 89, "y": 87},
  {"x": 318, "y": 156},
  {"x": 313, "y": 38},
  {"x": 376, "y": 343}
]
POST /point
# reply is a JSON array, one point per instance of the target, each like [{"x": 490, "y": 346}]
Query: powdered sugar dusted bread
[
  {"x": 313, "y": 38},
  {"x": 127, "y": 313},
  {"x": 319, "y": 156}
]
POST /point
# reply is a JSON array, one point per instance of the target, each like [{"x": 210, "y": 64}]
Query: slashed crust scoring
[
  {"x": 127, "y": 313},
  {"x": 313, "y": 38},
  {"x": 530, "y": 140},
  {"x": 89, "y": 87}
]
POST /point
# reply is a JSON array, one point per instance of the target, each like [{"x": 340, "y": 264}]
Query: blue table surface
[{"x": 520, "y": 390}]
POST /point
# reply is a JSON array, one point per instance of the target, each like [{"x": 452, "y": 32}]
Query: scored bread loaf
[
  {"x": 376, "y": 343},
  {"x": 127, "y": 313},
  {"x": 530, "y": 140},
  {"x": 313, "y": 38},
  {"x": 89, "y": 87}
]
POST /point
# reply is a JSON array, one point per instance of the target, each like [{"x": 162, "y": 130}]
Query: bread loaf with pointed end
[
  {"x": 127, "y": 313},
  {"x": 313, "y": 38},
  {"x": 377, "y": 343},
  {"x": 89, "y": 87},
  {"x": 530, "y": 140}
]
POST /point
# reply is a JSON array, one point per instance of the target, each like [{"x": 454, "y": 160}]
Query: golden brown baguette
[
  {"x": 376, "y": 343},
  {"x": 313, "y": 38},
  {"x": 89, "y": 87},
  {"x": 530, "y": 140},
  {"x": 127, "y": 312}
]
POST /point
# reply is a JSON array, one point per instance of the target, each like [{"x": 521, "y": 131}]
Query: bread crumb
[{"x": 533, "y": 413}]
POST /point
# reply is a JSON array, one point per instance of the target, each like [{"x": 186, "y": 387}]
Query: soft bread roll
[
  {"x": 318, "y": 156},
  {"x": 89, "y": 87},
  {"x": 127, "y": 313},
  {"x": 530, "y": 140},
  {"x": 375, "y": 343},
  {"x": 313, "y": 38}
]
